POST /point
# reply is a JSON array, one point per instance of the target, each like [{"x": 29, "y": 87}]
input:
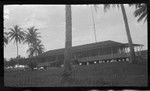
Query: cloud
[
  {"x": 33, "y": 21},
  {"x": 6, "y": 14},
  {"x": 80, "y": 40}
]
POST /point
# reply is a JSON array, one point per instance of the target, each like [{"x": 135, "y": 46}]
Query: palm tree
[
  {"x": 32, "y": 36},
  {"x": 132, "y": 53},
  {"x": 141, "y": 12},
  {"x": 35, "y": 49},
  {"x": 5, "y": 37},
  {"x": 16, "y": 34},
  {"x": 32, "y": 39},
  {"x": 68, "y": 42}
]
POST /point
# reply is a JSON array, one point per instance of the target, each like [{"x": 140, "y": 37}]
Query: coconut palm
[
  {"x": 141, "y": 12},
  {"x": 32, "y": 39},
  {"x": 68, "y": 42},
  {"x": 17, "y": 35},
  {"x": 32, "y": 36},
  {"x": 132, "y": 53},
  {"x": 35, "y": 49}
]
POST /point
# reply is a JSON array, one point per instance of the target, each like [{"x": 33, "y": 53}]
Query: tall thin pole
[
  {"x": 93, "y": 24},
  {"x": 132, "y": 53},
  {"x": 68, "y": 41}
]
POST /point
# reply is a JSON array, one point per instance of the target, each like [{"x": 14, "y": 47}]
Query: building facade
[{"x": 90, "y": 53}]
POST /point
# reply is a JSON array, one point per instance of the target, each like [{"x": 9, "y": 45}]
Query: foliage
[
  {"x": 35, "y": 49},
  {"x": 32, "y": 39},
  {"x": 6, "y": 62},
  {"x": 21, "y": 61},
  {"x": 56, "y": 64},
  {"x": 13, "y": 61},
  {"x": 32, "y": 64},
  {"x": 5, "y": 37},
  {"x": 75, "y": 61},
  {"x": 141, "y": 12},
  {"x": 16, "y": 34},
  {"x": 108, "y": 6},
  {"x": 32, "y": 36}
]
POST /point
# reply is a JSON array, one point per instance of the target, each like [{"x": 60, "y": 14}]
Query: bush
[
  {"x": 32, "y": 65},
  {"x": 56, "y": 64}
]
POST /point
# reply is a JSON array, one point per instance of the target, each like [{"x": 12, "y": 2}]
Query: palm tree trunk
[
  {"x": 17, "y": 48},
  {"x": 132, "y": 53},
  {"x": 68, "y": 42}
]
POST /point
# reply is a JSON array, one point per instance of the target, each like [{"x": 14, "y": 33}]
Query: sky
[{"x": 50, "y": 20}]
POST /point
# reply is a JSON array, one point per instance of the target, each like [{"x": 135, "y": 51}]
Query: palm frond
[
  {"x": 5, "y": 33},
  {"x": 32, "y": 35},
  {"x": 11, "y": 30},
  {"x": 36, "y": 48},
  {"x": 138, "y": 12},
  {"x": 141, "y": 12},
  {"x": 142, "y": 17},
  {"x": 145, "y": 19},
  {"x": 106, "y": 7},
  {"x": 16, "y": 33},
  {"x": 32, "y": 38},
  {"x": 11, "y": 37},
  {"x": 136, "y": 5},
  {"x": 96, "y": 7},
  {"x": 5, "y": 40}
]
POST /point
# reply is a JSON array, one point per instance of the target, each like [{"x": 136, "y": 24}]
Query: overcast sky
[{"x": 50, "y": 20}]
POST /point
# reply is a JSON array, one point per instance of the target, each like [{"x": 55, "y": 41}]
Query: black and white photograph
[{"x": 75, "y": 45}]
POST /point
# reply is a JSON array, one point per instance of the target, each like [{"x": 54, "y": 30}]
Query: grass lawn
[{"x": 104, "y": 74}]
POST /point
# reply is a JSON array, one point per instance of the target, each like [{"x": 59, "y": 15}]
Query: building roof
[
  {"x": 127, "y": 44},
  {"x": 103, "y": 44}
]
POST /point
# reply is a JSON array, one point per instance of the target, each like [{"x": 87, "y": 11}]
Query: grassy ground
[{"x": 105, "y": 74}]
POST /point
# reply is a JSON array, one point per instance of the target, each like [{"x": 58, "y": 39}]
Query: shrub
[{"x": 32, "y": 65}]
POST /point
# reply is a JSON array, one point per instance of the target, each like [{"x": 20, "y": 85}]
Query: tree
[
  {"x": 141, "y": 12},
  {"x": 11, "y": 62},
  {"x": 132, "y": 53},
  {"x": 32, "y": 36},
  {"x": 68, "y": 42},
  {"x": 6, "y": 64},
  {"x": 35, "y": 49},
  {"x": 32, "y": 39},
  {"x": 16, "y": 34},
  {"x": 32, "y": 64}
]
